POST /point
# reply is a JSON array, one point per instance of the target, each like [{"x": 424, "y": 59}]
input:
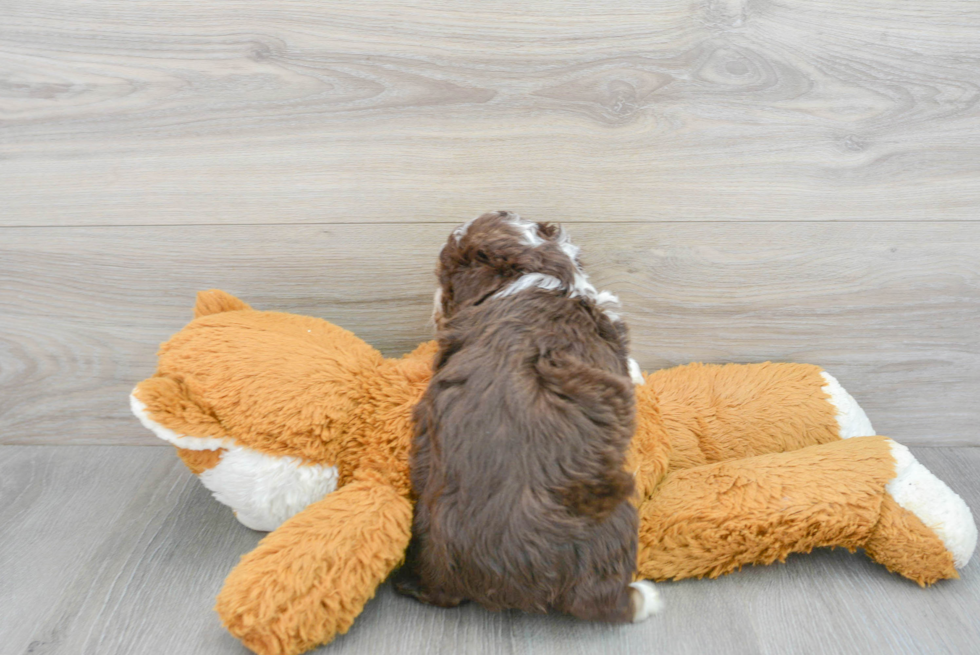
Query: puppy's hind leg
[
  {"x": 408, "y": 582},
  {"x": 611, "y": 602},
  {"x": 645, "y": 600},
  {"x": 410, "y": 585}
]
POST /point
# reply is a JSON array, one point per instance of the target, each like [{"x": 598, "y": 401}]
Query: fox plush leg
[
  {"x": 919, "y": 507},
  {"x": 717, "y": 412},
  {"x": 710, "y": 520},
  {"x": 307, "y": 581}
]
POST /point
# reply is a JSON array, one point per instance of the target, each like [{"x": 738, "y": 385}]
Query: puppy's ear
[
  {"x": 549, "y": 231},
  {"x": 475, "y": 267},
  {"x": 448, "y": 262}
]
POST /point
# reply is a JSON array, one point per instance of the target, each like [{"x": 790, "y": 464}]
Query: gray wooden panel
[
  {"x": 891, "y": 309},
  {"x": 113, "y": 551},
  {"x": 198, "y": 111}
]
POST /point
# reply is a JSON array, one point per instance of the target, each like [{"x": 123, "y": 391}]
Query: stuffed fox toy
[{"x": 304, "y": 430}]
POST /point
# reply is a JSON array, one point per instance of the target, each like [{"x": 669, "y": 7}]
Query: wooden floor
[
  {"x": 795, "y": 181},
  {"x": 120, "y": 551}
]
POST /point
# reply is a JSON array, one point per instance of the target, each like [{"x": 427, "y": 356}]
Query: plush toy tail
[
  {"x": 215, "y": 301},
  {"x": 308, "y": 580}
]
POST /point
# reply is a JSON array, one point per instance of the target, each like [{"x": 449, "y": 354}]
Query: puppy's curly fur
[{"x": 521, "y": 436}]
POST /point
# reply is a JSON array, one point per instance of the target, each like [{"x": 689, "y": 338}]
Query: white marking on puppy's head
[
  {"x": 529, "y": 281},
  {"x": 460, "y": 231},
  {"x": 461, "y": 264},
  {"x": 488, "y": 254},
  {"x": 569, "y": 248},
  {"x": 607, "y": 301},
  {"x": 528, "y": 229}
]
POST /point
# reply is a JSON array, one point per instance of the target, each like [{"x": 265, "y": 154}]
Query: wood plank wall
[{"x": 757, "y": 180}]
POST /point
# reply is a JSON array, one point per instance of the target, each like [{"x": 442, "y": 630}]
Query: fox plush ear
[
  {"x": 215, "y": 301},
  {"x": 307, "y": 581}
]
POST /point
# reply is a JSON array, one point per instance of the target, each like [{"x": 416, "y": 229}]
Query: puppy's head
[{"x": 490, "y": 252}]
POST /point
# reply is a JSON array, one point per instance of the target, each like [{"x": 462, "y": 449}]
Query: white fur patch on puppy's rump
[
  {"x": 646, "y": 600},
  {"x": 915, "y": 488},
  {"x": 262, "y": 490}
]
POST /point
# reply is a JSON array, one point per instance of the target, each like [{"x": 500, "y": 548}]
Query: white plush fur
[
  {"x": 851, "y": 419},
  {"x": 181, "y": 440},
  {"x": 264, "y": 491},
  {"x": 646, "y": 600},
  {"x": 916, "y": 489}
]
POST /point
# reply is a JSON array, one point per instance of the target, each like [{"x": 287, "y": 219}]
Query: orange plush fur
[{"x": 734, "y": 464}]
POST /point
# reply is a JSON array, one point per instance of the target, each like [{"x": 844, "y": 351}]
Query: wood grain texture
[
  {"x": 114, "y": 551},
  {"x": 183, "y": 111},
  {"x": 111, "y": 550},
  {"x": 786, "y": 180},
  {"x": 891, "y": 309}
]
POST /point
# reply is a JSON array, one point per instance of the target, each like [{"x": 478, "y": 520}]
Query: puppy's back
[{"x": 520, "y": 445}]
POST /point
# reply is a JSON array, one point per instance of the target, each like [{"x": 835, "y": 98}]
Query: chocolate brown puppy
[{"x": 517, "y": 460}]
